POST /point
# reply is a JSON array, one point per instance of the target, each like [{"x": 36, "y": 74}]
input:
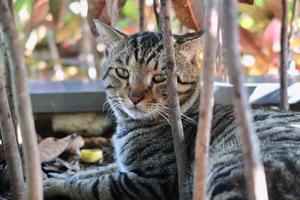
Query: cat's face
[{"x": 134, "y": 72}]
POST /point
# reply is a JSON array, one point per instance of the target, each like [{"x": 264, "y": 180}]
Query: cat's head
[{"x": 134, "y": 72}]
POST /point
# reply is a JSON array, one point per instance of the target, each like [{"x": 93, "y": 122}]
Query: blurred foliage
[{"x": 70, "y": 57}]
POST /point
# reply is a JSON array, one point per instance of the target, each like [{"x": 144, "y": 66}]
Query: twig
[
  {"x": 206, "y": 103},
  {"x": 294, "y": 14},
  {"x": 90, "y": 19},
  {"x": 173, "y": 100},
  {"x": 23, "y": 104},
  {"x": 87, "y": 57},
  {"x": 59, "y": 74},
  {"x": 157, "y": 19},
  {"x": 10, "y": 144},
  {"x": 255, "y": 175},
  {"x": 284, "y": 105},
  {"x": 142, "y": 15},
  {"x": 291, "y": 32},
  {"x": 112, "y": 10},
  {"x": 8, "y": 87}
]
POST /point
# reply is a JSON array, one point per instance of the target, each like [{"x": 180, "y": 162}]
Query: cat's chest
[{"x": 131, "y": 146}]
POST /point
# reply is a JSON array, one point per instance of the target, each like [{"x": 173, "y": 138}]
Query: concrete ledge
[{"x": 79, "y": 96}]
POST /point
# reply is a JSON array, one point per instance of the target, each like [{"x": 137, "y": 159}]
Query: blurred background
[{"x": 58, "y": 43}]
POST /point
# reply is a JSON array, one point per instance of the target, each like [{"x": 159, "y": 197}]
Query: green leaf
[
  {"x": 26, "y": 4},
  {"x": 130, "y": 9}
]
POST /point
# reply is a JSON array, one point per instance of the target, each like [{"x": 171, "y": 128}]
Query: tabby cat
[{"x": 145, "y": 167}]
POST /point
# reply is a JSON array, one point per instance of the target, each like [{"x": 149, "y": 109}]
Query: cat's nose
[{"x": 136, "y": 97}]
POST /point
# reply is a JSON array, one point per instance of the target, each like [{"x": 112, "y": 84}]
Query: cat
[{"x": 145, "y": 167}]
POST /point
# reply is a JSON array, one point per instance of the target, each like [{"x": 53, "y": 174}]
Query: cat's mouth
[{"x": 137, "y": 113}]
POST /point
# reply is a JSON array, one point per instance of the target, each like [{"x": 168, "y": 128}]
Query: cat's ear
[
  {"x": 109, "y": 35},
  {"x": 189, "y": 44}
]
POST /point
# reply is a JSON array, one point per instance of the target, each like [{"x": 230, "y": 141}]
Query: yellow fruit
[{"x": 91, "y": 155}]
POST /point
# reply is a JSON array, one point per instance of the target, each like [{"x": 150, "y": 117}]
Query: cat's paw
[{"x": 54, "y": 187}]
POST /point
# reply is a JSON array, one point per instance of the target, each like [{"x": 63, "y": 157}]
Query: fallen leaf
[
  {"x": 75, "y": 144},
  {"x": 51, "y": 147},
  {"x": 93, "y": 142}
]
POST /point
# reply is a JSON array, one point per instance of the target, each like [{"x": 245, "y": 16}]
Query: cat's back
[{"x": 279, "y": 136}]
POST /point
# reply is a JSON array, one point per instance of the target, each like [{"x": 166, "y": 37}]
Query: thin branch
[
  {"x": 255, "y": 175},
  {"x": 87, "y": 57},
  {"x": 142, "y": 27},
  {"x": 173, "y": 100},
  {"x": 59, "y": 74},
  {"x": 206, "y": 103},
  {"x": 156, "y": 14},
  {"x": 90, "y": 19},
  {"x": 10, "y": 144},
  {"x": 294, "y": 14},
  {"x": 284, "y": 105},
  {"x": 9, "y": 91},
  {"x": 23, "y": 104},
  {"x": 291, "y": 32}
]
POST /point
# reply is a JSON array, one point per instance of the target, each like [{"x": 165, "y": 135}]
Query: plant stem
[
  {"x": 254, "y": 170},
  {"x": 284, "y": 105},
  {"x": 10, "y": 144},
  {"x": 34, "y": 190},
  {"x": 173, "y": 100},
  {"x": 206, "y": 99},
  {"x": 142, "y": 27}
]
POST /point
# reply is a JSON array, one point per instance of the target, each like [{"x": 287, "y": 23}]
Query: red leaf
[
  {"x": 190, "y": 13},
  {"x": 98, "y": 10},
  {"x": 246, "y": 1}
]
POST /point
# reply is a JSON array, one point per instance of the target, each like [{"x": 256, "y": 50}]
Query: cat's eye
[
  {"x": 159, "y": 78},
  {"x": 122, "y": 73}
]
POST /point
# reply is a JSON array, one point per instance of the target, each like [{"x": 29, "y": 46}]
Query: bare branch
[
  {"x": 9, "y": 91},
  {"x": 284, "y": 57},
  {"x": 113, "y": 10},
  {"x": 255, "y": 175},
  {"x": 173, "y": 100},
  {"x": 157, "y": 18},
  {"x": 206, "y": 99},
  {"x": 23, "y": 104},
  {"x": 10, "y": 144},
  {"x": 142, "y": 27},
  {"x": 54, "y": 55}
]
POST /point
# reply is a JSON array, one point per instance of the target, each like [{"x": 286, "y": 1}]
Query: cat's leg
[
  {"x": 118, "y": 185},
  {"x": 108, "y": 169}
]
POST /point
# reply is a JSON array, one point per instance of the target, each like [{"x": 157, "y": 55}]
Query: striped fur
[{"x": 145, "y": 166}]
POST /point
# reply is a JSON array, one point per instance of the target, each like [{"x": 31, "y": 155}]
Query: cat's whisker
[
  {"x": 161, "y": 114},
  {"x": 184, "y": 117}
]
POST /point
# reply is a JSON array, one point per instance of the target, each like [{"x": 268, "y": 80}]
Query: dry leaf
[
  {"x": 251, "y": 45},
  {"x": 93, "y": 142},
  {"x": 51, "y": 147},
  {"x": 113, "y": 10},
  {"x": 247, "y": 1},
  {"x": 39, "y": 13},
  {"x": 44, "y": 8},
  {"x": 75, "y": 144},
  {"x": 98, "y": 10},
  {"x": 190, "y": 13}
]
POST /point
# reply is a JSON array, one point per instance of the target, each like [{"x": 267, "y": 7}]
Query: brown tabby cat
[{"x": 145, "y": 167}]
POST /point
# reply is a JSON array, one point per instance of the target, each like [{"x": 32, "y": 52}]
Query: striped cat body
[{"x": 145, "y": 167}]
